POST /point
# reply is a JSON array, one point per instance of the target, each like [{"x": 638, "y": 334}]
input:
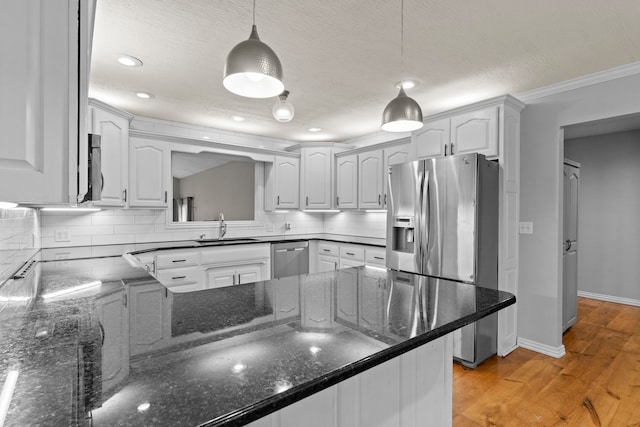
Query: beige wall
[
  {"x": 608, "y": 213},
  {"x": 228, "y": 188},
  {"x": 542, "y": 153}
]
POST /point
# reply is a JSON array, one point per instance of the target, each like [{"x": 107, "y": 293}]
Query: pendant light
[
  {"x": 402, "y": 114},
  {"x": 252, "y": 68},
  {"x": 283, "y": 110}
]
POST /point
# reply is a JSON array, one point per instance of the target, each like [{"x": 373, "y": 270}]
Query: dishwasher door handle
[{"x": 289, "y": 250}]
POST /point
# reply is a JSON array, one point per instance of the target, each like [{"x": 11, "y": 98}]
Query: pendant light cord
[
  {"x": 254, "y": 12},
  {"x": 401, "y": 40}
]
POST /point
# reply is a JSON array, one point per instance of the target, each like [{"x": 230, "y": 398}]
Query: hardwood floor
[{"x": 597, "y": 383}]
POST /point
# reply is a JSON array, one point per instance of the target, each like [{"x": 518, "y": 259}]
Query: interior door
[{"x": 571, "y": 177}]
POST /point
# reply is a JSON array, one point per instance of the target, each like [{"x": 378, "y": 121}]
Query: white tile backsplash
[
  {"x": 119, "y": 226},
  {"x": 19, "y": 239}
]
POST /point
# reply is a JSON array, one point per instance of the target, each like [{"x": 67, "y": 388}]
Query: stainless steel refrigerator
[{"x": 442, "y": 221}]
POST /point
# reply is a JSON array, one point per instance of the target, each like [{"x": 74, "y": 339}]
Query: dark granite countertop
[
  {"x": 133, "y": 353},
  {"x": 76, "y": 252}
]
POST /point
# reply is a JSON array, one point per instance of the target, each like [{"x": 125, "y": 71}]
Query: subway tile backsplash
[
  {"x": 113, "y": 226},
  {"x": 19, "y": 239}
]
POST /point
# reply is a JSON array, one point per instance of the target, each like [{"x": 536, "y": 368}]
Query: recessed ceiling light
[
  {"x": 238, "y": 118},
  {"x": 129, "y": 61},
  {"x": 407, "y": 84},
  {"x": 144, "y": 95},
  {"x": 314, "y": 129}
]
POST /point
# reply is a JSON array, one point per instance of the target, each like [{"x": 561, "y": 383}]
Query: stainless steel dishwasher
[{"x": 289, "y": 259}]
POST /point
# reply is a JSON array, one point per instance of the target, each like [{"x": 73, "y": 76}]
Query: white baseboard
[
  {"x": 610, "y": 298},
  {"x": 556, "y": 352},
  {"x": 506, "y": 351}
]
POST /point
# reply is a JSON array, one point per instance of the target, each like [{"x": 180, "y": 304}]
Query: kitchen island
[{"x": 358, "y": 346}]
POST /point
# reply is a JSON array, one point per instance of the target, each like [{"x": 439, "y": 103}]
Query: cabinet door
[
  {"x": 317, "y": 304},
  {"x": 218, "y": 277},
  {"x": 149, "y": 312},
  {"x": 371, "y": 307},
  {"x": 347, "y": 182},
  {"x": 393, "y": 156},
  {"x": 432, "y": 138},
  {"x": 149, "y": 164},
  {"x": 114, "y": 131},
  {"x": 370, "y": 173},
  {"x": 114, "y": 317},
  {"x": 316, "y": 178},
  {"x": 476, "y": 132},
  {"x": 327, "y": 263},
  {"x": 250, "y": 273},
  {"x": 40, "y": 89},
  {"x": 287, "y": 179}
]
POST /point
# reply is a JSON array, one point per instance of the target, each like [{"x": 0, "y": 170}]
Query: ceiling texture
[{"x": 341, "y": 58}]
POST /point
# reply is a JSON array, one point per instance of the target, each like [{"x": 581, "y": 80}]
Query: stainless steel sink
[{"x": 216, "y": 242}]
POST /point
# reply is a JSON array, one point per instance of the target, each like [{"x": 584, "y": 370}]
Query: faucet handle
[{"x": 221, "y": 217}]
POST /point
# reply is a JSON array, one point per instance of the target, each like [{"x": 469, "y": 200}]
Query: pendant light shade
[
  {"x": 253, "y": 69},
  {"x": 402, "y": 114},
  {"x": 283, "y": 110}
]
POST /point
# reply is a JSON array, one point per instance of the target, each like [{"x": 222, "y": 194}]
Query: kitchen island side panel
[{"x": 412, "y": 390}]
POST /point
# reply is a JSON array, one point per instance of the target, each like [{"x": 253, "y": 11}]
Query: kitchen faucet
[{"x": 223, "y": 226}]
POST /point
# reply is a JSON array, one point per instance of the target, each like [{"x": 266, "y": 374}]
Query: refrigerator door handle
[{"x": 425, "y": 219}]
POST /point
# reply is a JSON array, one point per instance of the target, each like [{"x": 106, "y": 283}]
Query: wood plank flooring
[{"x": 597, "y": 383}]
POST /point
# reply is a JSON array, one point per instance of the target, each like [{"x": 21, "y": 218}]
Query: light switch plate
[
  {"x": 61, "y": 235},
  {"x": 526, "y": 228}
]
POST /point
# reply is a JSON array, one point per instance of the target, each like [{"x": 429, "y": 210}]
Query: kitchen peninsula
[{"x": 357, "y": 346}]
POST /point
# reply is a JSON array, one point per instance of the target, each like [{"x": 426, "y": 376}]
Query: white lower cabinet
[
  {"x": 235, "y": 264},
  {"x": 217, "y": 277},
  {"x": 327, "y": 263}
]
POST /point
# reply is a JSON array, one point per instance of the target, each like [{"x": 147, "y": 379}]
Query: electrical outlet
[
  {"x": 526, "y": 228},
  {"x": 61, "y": 235}
]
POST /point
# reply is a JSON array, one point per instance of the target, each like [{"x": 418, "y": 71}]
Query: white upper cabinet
[
  {"x": 282, "y": 183},
  {"x": 392, "y": 156},
  {"x": 113, "y": 127},
  {"x": 45, "y": 46},
  {"x": 475, "y": 131},
  {"x": 370, "y": 172},
  {"x": 149, "y": 173},
  {"x": 347, "y": 181},
  {"x": 316, "y": 178},
  {"x": 432, "y": 139}
]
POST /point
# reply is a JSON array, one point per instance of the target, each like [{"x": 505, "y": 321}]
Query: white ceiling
[{"x": 341, "y": 58}]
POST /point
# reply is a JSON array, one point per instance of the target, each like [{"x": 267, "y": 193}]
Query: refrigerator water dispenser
[{"x": 403, "y": 234}]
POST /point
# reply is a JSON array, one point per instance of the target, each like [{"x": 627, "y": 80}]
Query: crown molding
[{"x": 579, "y": 82}]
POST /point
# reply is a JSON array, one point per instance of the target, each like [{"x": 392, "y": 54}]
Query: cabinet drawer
[
  {"x": 352, "y": 252},
  {"x": 176, "y": 259},
  {"x": 178, "y": 276},
  {"x": 376, "y": 257},
  {"x": 328, "y": 249}
]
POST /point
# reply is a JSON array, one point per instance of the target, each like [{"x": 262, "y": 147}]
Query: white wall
[
  {"x": 19, "y": 239},
  {"x": 540, "y": 276},
  {"x": 608, "y": 213}
]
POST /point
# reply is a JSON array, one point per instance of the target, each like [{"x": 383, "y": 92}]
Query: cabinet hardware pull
[
  {"x": 378, "y": 257},
  {"x": 335, "y": 265},
  {"x": 179, "y": 260},
  {"x": 307, "y": 200},
  {"x": 125, "y": 194},
  {"x": 445, "y": 149},
  {"x": 379, "y": 199},
  {"x": 278, "y": 201},
  {"x": 179, "y": 277},
  {"x": 124, "y": 299},
  {"x": 350, "y": 253},
  {"x": 165, "y": 197},
  {"x": 327, "y": 250},
  {"x": 234, "y": 280},
  {"x": 337, "y": 200},
  {"x": 452, "y": 149},
  {"x": 385, "y": 198}
]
